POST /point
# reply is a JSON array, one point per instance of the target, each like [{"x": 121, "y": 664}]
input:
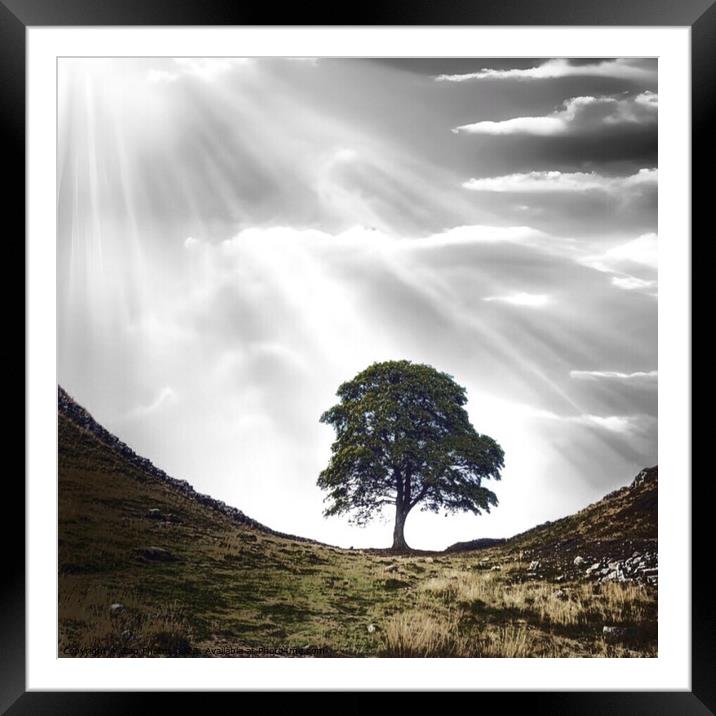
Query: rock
[
  {"x": 533, "y": 566},
  {"x": 561, "y": 578},
  {"x": 156, "y": 554},
  {"x": 496, "y": 568},
  {"x": 154, "y": 514},
  {"x": 593, "y": 568},
  {"x": 615, "y": 575},
  {"x": 116, "y": 609},
  {"x": 618, "y": 633},
  {"x": 561, "y": 595},
  {"x": 578, "y": 561},
  {"x": 391, "y": 568},
  {"x": 429, "y": 560},
  {"x": 371, "y": 628},
  {"x": 395, "y": 584}
]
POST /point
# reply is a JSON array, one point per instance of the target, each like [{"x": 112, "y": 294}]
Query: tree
[{"x": 403, "y": 438}]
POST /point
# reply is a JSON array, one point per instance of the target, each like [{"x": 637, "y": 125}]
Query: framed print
[{"x": 351, "y": 357}]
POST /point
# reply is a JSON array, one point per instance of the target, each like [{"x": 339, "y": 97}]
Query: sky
[{"x": 239, "y": 236}]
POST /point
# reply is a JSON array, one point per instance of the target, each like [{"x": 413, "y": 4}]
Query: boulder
[{"x": 156, "y": 554}]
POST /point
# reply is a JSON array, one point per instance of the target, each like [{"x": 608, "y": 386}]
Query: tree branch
[{"x": 420, "y": 496}]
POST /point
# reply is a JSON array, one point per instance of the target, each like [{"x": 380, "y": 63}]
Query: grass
[{"x": 237, "y": 588}]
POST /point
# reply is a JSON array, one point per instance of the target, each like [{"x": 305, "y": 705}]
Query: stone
[
  {"x": 578, "y": 561},
  {"x": 154, "y": 514},
  {"x": 391, "y": 568},
  {"x": 156, "y": 554},
  {"x": 116, "y": 609},
  {"x": 371, "y": 628},
  {"x": 533, "y": 567}
]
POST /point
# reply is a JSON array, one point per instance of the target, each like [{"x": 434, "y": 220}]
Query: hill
[{"x": 149, "y": 567}]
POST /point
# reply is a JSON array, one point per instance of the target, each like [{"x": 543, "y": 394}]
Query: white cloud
[
  {"x": 312, "y": 61},
  {"x": 204, "y": 68},
  {"x": 632, "y": 283},
  {"x": 613, "y": 375},
  {"x": 641, "y": 251},
  {"x": 345, "y": 155},
  {"x": 480, "y": 234},
  {"x": 166, "y": 395},
  {"x": 538, "y": 126},
  {"x": 552, "y": 69},
  {"x": 532, "y": 300},
  {"x": 555, "y": 181},
  {"x": 578, "y": 114},
  {"x": 635, "y": 425}
]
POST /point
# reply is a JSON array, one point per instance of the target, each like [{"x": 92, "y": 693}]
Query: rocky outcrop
[
  {"x": 74, "y": 412},
  {"x": 641, "y": 568}
]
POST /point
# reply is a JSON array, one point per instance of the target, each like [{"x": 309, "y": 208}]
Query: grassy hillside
[{"x": 149, "y": 568}]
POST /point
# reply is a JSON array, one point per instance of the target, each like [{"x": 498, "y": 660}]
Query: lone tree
[{"x": 403, "y": 437}]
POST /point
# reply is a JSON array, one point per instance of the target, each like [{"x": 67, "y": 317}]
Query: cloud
[
  {"x": 555, "y": 181},
  {"x": 632, "y": 283},
  {"x": 311, "y": 61},
  {"x": 613, "y": 375},
  {"x": 577, "y": 115},
  {"x": 204, "y": 68},
  {"x": 622, "y": 424},
  {"x": 166, "y": 395},
  {"x": 640, "y": 253},
  {"x": 532, "y": 300},
  {"x": 625, "y": 69},
  {"x": 345, "y": 154},
  {"x": 481, "y": 234}
]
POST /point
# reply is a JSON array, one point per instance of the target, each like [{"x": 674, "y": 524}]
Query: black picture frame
[{"x": 699, "y": 15}]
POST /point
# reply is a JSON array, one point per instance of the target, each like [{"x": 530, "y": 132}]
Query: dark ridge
[
  {"x": 475, "y": 544},
  {"x": 74, "y": 412}
]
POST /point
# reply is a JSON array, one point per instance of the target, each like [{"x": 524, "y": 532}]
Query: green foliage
[{"x": 403, "y": 437}]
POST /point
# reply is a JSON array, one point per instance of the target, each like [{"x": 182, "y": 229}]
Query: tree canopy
[{"x": 404, "y": 438}]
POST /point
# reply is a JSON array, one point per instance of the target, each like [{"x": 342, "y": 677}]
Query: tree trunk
[{"x": 399, "y": 543}]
